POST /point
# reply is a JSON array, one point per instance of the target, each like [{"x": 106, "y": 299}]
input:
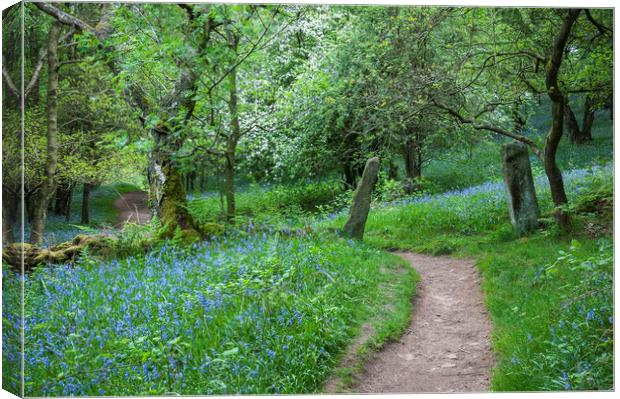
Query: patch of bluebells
[
  {"x": 497, "y": 189},
  {"x": 190, "y": 320},
  {"x": 11, "y": 327},
  {"x": 58, "y": 231}
]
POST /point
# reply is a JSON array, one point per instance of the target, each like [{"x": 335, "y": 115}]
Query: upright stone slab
[
  {"x": 361, "y": 200},
  {"x": 522, "y": 202}
]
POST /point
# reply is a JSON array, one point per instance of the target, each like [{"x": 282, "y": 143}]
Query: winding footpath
[
  {"x": 132, "y": 208},
  {"x": 447, "y": 346}
]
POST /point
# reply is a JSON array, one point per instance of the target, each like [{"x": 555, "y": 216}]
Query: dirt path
[
  {"x": 132, "y": 208},
  {"x": 447, "y": 346}
]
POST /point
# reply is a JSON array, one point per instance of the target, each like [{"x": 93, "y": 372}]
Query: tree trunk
[
  {"x": 190, "y": 181},
  {"x": 350, "y": 180},
  {"x": 167, "y": 196},
  {"x": 33, "y": 97},
  {"x": 30, "y": 204},
  {"x": 233, "y": 137},
  {"x": 413, "y": 159},
  {"x": 392, "y": 170},
  {"x": 412, "y": 156},
  {"x": 519, "y": 121},
  {"x": 231, "y": 148},
  {"x": 556, "y": 184},
  {"x": 574, "y": 133},
  {"x": 588, "y": 119},
  {"x": 202, "y": 181},
  {"x": 47, "y": 188},
  {"x": 85, "y": 203},
  {"x": 64, "y": 197},
  {"x": 10, "y": 203},
  {"x": 229, "y": 187}
]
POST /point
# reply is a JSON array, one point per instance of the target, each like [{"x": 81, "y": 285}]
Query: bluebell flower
[{"x": 567, "y": 385}]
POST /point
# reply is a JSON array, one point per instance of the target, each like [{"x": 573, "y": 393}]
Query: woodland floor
[
  {"x": 132, "y": 208},
  {"x": 447, "y": 347}
]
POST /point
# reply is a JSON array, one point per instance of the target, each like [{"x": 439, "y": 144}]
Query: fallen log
[{"x": 66, "y": 252}]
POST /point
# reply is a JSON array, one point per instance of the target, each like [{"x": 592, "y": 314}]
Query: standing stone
[
  {"x": 361, "y": 200},
  {"x": 522, "y": 202}
]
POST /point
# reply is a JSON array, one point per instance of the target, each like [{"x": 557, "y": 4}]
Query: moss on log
[{"x": 65, "y": 252}]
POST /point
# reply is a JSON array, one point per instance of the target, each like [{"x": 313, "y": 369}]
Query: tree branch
[
  {"x": 65, "y": 18},
  {"x": 9, "y": 82},
  {"x": 245, "y": 56},
  {"x": 36, "y": 73},
  {"x": 601, "y": 28},
  {"x": 489, "y": 127}
]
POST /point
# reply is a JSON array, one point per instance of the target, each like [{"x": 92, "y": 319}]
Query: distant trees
[
  {"x": 65, "y": 142},
  {"x": 291, "y": 92}
]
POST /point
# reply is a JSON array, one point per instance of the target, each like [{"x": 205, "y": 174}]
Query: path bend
[{"x": 447, "y": 346}]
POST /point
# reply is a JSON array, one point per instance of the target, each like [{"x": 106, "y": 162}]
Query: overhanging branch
[{"x": 489, "y": 127}]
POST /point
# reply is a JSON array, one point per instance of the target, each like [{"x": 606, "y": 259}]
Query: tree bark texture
[
  {"x": 47, "y": 188},
  {"x": 572, "y": 126},
  {"x": 64, "y": 197},
  {"x": 10, "y": 206},
  {"x": 167, "y": 196}
]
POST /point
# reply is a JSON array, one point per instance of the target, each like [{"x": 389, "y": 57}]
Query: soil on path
[
  {"x": 132, "y": 208},
  {"x": 447, "y": 347}
]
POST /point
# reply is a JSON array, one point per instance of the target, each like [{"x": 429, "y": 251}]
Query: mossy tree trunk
[
  {"x": 47, "y": 188},
  {"x": 167, "y": 195}
]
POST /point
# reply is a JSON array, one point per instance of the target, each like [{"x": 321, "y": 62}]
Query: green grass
[
  {"x": 269, "y": 204},
  {"x": 542, "y": 343}
]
